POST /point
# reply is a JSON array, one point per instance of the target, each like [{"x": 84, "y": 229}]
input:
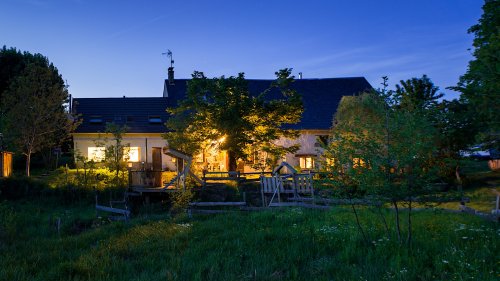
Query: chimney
[
  {"x": 300, "y": 75},
  {"x": 171, "y": 75}
]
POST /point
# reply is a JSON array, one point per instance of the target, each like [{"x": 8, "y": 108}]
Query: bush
[
  {"x": 14, "y": 188},
  {"x": 100, "y": 178}
]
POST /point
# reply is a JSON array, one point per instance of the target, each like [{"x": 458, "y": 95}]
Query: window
[
  {"x": 155, "y": 119},
  {"x": 306, "y": 162},
  {"x": 131, "y": 154},
  {"x": 130, "y": 118},
  {"x": 330, "y": 161},
  {"x": 358, "y": 162},
  {"x": 96, "y": 154},
  {"x": 95, "y": 119}
]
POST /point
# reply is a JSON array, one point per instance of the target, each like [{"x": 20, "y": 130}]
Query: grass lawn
[
  {"x": 285, "y": 244},
  {"x": 481, "y": 182}
]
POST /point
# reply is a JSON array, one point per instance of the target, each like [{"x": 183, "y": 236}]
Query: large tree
[
  {"x": 417, "y": 94},
  {"x": 480, "y": 85},
  {"x": 33, "y": 104},
  {"x": 223, "y": 109}
]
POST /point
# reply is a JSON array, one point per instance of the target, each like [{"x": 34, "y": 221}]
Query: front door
[
  {"x": 157, "y": 159},
  {"x": 157, "y": 167}
]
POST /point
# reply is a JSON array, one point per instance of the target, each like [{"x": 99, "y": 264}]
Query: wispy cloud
[
  {"x": 136, "y": 26},
  {"x": 38, "y": 3},
  {"x": 340, "y": 55}
]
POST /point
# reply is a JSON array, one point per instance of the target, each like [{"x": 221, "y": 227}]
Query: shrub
[{"x": 14, "y": 188}]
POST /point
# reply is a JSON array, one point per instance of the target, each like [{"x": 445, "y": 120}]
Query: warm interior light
[
  {"x": 131, "y": 154},
  {"x": 221, "y": 140},
  {"x": 97, "y": 154}
]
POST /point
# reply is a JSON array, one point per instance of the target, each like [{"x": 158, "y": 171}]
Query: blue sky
[{"x": 112, "y": 48}]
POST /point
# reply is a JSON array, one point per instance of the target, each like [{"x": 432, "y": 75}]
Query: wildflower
[
  {"x": 184, "y": 225},
  {"x": 445, "y": 261}
]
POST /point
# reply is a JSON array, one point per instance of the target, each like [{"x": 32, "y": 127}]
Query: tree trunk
[
  {"x": 398, "y": 227},
  {"x": 28, "y": 163},
  {"x": 408, "y": 240},
  {"x": 410, "y": 193},
  {"x": 379, "y": 208},
  {"x": 232, "y": 165},
  {"x": 459, "y": 182},
  {"x": 357, "y": 222}
]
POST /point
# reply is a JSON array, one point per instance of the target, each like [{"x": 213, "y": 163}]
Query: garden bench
[
  {"x": 297, "y": 185},
  {"x": 111, "y": 209}
]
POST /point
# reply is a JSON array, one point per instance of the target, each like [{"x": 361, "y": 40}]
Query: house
[{"x": 145, "y": 118}]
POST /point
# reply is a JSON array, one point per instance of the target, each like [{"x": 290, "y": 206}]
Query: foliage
[
  {"x": 221, "y": 113},
  {"x": 180, "y": 201},
  {"x": 89, "y": 178},
  {"x": 116, "y": 152},
  {"x": 416, "y": 94},
  {"x": 381, "y": 151},
  {"x": 33, "y": 105},
  {"x": 12, "y": 64},
  {"x": 291, "y": 244},
  {"x": 480, "y": 85},
  {"x": 66, "y": 186},
  {"x": 15, "y": 188}
]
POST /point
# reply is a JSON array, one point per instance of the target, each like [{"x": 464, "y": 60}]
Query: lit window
[
  {"x": 358, "y": 162},
  {"x": 330, "y": 161},
  {"x": 306, "y": 162},
  {"x": 131, "y": 154},
  {"x": 96, "y": 154}
]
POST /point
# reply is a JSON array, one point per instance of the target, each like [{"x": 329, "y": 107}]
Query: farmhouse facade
[{"x": 145, "y": 118}]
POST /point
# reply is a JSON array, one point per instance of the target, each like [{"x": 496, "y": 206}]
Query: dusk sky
[{"x": 113, "y": 48}]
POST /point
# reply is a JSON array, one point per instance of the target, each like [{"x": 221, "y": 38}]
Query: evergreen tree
[{"x": 480, "y": 85}]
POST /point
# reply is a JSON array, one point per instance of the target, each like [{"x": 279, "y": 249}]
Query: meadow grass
[{"x": 280, "y": 244}]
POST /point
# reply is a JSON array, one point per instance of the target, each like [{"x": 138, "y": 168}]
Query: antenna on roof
[
  {"x": 171, "y": 68},
  {"x": 169, "y": 54}
]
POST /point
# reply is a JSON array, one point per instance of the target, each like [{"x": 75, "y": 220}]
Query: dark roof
[
  {"x": 320, "y": 96},
  {"x": 133, "y": 112}
]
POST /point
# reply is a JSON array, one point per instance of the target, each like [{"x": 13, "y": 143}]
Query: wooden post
[
  {"x": 497, "y": 211},
  {"x": 262, "y": 189},
  {"x": 278, "y": 183},
  {"x": 311, "y": 184}
]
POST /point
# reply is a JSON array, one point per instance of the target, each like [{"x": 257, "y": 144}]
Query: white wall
[
  {"x": 83, "y": 141},
  {"x": 307, "y": 141}
]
